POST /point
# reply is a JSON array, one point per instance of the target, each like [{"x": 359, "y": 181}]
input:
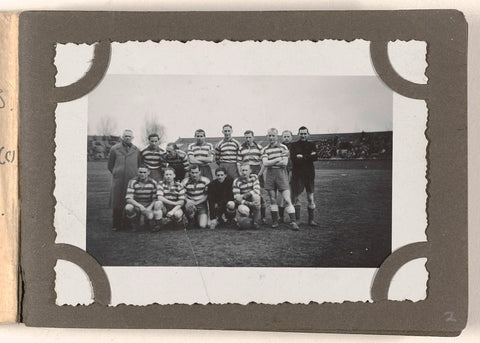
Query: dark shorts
[
  {"x": 135, "y": 212},
  {"x": 277, "y": 179},
  {"x": 221, "y": 208},
  {"x": 206, "y": 171},
  {"x": 196, "y": 209},
  {"x": 179, "y": 173},
  {"x": 304, "y": 181},
  {"x": 167, "y": 208},
  {"x": 231, "y": 168},
  {"x": 156, "y": 174},
  {"x": 256, "y": 170}
]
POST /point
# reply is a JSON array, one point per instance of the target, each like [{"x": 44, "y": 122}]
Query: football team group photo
[
  {"x": 231, "y": 177},
  {"x": 153, "y": 188}
]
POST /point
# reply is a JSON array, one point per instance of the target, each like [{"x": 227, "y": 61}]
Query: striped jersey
[
  {"x": 153, "y": 158},
  {"x": 227, "y": 151},
  {"x": 271, "y": 152},
  {"x": 251, "y": 154},
  {"x": 144, "y": 192},
  {"x": 178, "y": 161},
  {"x": 250, "y": 185},
  {"x": 195, "y": 190},
  {"x": 203, "y": 150},
  {"x": 173, "y": 192}
]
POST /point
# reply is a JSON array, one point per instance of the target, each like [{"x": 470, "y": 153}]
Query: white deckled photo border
[{"x": 189, "y": 285}]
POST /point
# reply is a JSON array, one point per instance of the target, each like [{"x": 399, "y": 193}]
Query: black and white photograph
[
  {"x": 270, "y": 160},
  {"x": 240, "y": 171}
]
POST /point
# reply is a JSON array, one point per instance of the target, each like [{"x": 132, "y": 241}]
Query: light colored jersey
[
  {"x": 272, "y": 152},
  {"x": 250, "y": 154},
  {"x": 195, "y": 190},
  {"x": 227, "y": 151},
  {"x": 250, "y": 185},
  {"x": 153, "y": 159},
  {"x": 143, "y": 192},
  {"x": 203, "y": 150},
  {"x": 173, "y": 192}
]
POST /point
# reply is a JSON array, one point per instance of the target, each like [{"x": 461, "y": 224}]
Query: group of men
[{"x": 161, "y": 187}]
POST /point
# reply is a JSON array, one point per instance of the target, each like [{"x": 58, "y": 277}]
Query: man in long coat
[{"x": 123, "y": 163}]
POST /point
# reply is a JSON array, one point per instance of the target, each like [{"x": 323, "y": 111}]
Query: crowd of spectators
[{"x": 363, "y": 146}]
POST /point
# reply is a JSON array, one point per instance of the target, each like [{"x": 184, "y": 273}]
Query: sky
[{"x": 184, "y": 103}]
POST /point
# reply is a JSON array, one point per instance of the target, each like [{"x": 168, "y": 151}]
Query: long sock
[
  {"x": 291, "y": 213},
  {"x": 274, "y": 216},
  {"x": 311, "y": 214},
  {"x": 229, "y": 213},
  {"x": 292, "y": 217},
  {"x": 297, "y": 212},
  {"x": 262, "y": 211},
  {"x": 281, "y": 211},
  {"x": 256, "y": 214}
]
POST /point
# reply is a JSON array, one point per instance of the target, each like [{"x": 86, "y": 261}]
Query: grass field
[{"x": 353, "y": 212}]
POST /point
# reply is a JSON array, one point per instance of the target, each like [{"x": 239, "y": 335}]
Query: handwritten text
[{"x": 6, "y": 156}]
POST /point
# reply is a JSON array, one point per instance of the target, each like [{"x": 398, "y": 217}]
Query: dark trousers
[{"x": 221, "y": 208}]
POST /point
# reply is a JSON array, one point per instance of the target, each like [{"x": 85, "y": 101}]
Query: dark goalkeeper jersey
[
  {"x": 308, "y": 151},
  {"x": 219, "y": 193}
]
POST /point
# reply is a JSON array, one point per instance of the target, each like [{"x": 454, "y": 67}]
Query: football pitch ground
[{"x": 353, "y": 212}]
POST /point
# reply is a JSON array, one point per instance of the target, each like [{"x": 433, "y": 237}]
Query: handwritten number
[{"x": 449, "y": 317}]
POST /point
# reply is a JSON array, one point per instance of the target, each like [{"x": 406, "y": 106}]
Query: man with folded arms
[
  {"x": 152, "y": 157},
  {"x": 275, "y": 159},
  {"x": 287, "y": 136},
  {"x": 202, "y": 153},
  {"x": 226, "y": 152},
  {"x": 303, "y": 153}
]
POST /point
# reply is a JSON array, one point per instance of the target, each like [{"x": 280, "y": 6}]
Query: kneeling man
[
  {"x": 141, "y": 199},
  {"x": 219, "y": 195},
  {"x": 171, "y": 195},
  {"x": 246, "y": 194},
  {"x": 196, "y": 188}
]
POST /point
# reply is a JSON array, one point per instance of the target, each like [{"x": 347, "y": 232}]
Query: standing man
[
  {"x": 287, "y": 141},
  {"x": 201, "y": 153},
  {"x": 171, "y": 195},
  {"x": 250, "y": 152},
  {"x": 196, "y": 188},
  {"x": 246, "y": 192},
  {"x": 275, "y": 160},
  {"x": 142, "y": 200},
  {"x": 123, "y": 163},
  {"x": 219, "y": 195},
  {"x": 227, "y": 152},
  {"x": 303, "y": 153},
  {"x": 152, "y": 157},
  {"x": 177, "y": 160}
]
